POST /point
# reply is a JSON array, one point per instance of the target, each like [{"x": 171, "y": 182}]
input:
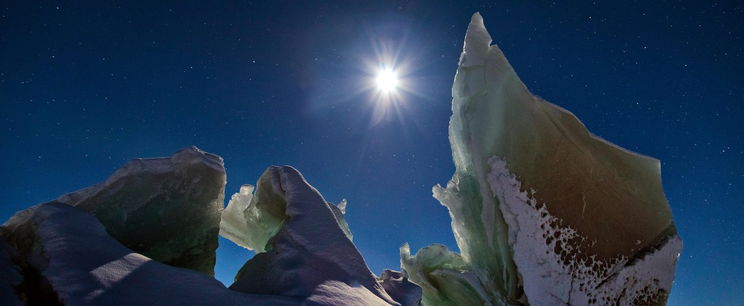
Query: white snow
[
  {"x": 340, "y": 293},
  {"x": 547, "y": 279}
]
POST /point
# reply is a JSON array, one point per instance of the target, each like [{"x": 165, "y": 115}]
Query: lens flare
[{"x": 387, "y": 81}]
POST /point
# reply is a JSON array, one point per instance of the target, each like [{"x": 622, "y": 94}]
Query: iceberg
[{"x": 543, "y": 211}]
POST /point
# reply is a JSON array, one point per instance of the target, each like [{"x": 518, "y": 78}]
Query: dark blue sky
[{"x": 86, "y": 86}]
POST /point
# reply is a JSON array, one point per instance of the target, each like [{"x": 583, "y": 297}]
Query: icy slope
[
  {"x": 542, "y": 211},
  {"x": 82, "y": 265},
  {"x": 303, "y": 247}
]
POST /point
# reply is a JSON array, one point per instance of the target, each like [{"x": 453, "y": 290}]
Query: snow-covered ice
[
  {"x": 140, "y": 237},
  {"x": 309, "y": 250},
  {"x": 83, "y": 265},
  {"x": 543, "y": 211},
  {"x": 166, "y": 208}
]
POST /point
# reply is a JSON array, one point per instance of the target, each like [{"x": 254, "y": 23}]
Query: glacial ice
[{"x": 543, "y": 211}]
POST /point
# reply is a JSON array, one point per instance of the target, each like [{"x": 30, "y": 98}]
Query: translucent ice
[
  {"x": 542, "y": 211},
  {"x": 248, "y": 225},
  {"x": 250, "y": 222}
]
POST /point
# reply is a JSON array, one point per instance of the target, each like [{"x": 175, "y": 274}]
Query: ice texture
[
  {"x": 543, "y": 211},
  {"x": 75, "y": 262},
  {"x": 140, "y": 237},
  {"x": 248, "y": 225},
  {"x": 303, "y": 248},
  {"x": 250, "y": 222},
  {"x": 167, "y": 209},
  {"x": 444, "y": 277}
]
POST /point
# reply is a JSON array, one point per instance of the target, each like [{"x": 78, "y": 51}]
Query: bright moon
[{"x": 387, "y": 80}]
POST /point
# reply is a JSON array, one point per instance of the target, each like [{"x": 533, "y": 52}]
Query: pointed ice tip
[
  {"x": 342, "y": 205},
  {"x": 477, "y": 41},
  {"x": 405, "y": 249},
  {"x": 477, "y": 29},
  {"x": 476, "y": 19}
]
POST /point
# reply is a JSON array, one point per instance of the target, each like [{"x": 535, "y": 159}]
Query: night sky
[{"x": 88, "y": 85}]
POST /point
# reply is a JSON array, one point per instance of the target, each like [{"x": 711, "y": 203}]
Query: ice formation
[
  {"x": 140, "y": 237},
  {"x": 303, "y": 242},
  {"x": 167, "y": 209},
  {"x": 543, "y": 212},
  {"x": 251, "y": 221},
  {"x": 75, "y": 262}
]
